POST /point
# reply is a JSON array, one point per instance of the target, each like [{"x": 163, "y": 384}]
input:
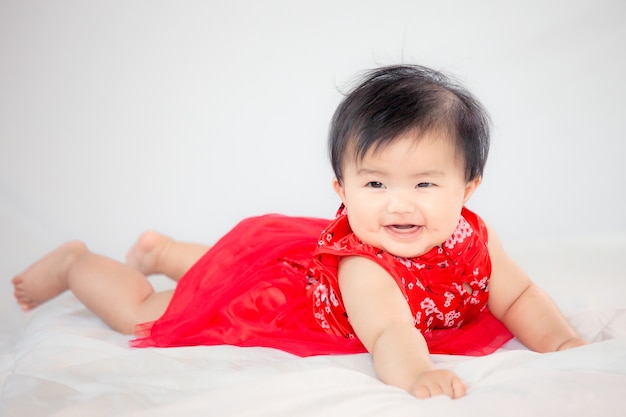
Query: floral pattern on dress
[
  {"x": 462, "y": 232},
  {"x": 445, "y": 288}
]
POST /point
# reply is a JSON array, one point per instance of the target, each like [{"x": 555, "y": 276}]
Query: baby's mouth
[{"x": 403, "y": 229}]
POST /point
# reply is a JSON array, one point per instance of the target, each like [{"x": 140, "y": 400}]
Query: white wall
[{"x": 186, "y": 116}]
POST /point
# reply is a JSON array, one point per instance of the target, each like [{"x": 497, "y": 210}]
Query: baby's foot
[
  {"x": 47, "y": 277},
  {"x": 144, "y": 255}
]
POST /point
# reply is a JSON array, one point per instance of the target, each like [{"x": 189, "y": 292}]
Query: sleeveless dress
[{"x": 272, "y": 282}]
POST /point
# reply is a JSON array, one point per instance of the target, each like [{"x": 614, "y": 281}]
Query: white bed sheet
[{"x": 60, "y": 360}]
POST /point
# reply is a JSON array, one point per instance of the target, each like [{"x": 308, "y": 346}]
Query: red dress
[{"x": 272, "y": 282}]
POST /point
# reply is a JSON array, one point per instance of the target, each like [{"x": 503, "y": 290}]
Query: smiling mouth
[{"x": 404, "y": 230}]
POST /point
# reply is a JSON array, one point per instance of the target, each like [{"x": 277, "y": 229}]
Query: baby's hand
[{"x": 438, "y": 382}]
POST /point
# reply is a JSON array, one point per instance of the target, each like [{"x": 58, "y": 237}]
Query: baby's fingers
[
  {"x": 458, "y": 388},
  {"x": 439, "y": 382}
]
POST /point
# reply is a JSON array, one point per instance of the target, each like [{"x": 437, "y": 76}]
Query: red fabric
[
  {"x": 446, "y": 288},
  {"x": 272, "y": 282}
]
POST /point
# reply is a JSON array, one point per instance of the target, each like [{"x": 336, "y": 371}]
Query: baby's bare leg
[
  {"x": 154, "y": 253},
  {"x": 119, "y": 294}
]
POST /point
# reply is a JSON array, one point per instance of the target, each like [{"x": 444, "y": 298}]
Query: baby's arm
[
  {"x": 524, "y": 308},
  {"x": 383, "y": 321}
]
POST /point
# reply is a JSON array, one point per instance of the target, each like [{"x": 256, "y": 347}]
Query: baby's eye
[
  {"x": 375, "y": 184},
  {"x": 425, "y": 185}
]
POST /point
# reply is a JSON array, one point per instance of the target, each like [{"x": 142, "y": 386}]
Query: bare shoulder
[
  {"x": 363, "y": 280},
  {"x": 363, "y": 273}
]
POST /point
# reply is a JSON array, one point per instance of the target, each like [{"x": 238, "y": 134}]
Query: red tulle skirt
[{"x": 250, "y": 289}]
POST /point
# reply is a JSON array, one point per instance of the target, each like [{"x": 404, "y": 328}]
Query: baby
[{"x": 405, "y": 269}]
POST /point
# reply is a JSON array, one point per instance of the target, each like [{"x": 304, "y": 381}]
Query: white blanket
[{"x": 60, "y": 360}]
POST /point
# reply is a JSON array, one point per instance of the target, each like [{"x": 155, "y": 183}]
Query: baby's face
[{"x": 406, "y": 198}]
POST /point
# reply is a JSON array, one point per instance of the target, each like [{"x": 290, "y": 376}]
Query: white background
[{"x": 186, "y": 116}]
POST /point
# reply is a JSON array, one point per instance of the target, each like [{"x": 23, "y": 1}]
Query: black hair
[{"x": 395, "y": 100}]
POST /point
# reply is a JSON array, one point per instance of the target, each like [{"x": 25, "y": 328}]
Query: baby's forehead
[
  {"x": 360, "y": 148},
  {"x": 435, "y": 152}
]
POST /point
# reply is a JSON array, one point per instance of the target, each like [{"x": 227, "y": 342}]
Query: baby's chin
[
  {"x": 397, "y": 246},
  {"x": 410, "y": 252}
]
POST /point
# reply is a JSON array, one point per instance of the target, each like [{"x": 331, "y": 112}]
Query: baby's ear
[
  {"x": 470, "y": 187},
  {"x": 338, "y": 187}
]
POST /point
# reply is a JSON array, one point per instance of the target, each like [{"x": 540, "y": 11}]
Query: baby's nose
[{"x": 400, "y": 203}]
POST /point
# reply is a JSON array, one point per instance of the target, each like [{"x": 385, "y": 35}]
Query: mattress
[{"x": 61, "y": 360}]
